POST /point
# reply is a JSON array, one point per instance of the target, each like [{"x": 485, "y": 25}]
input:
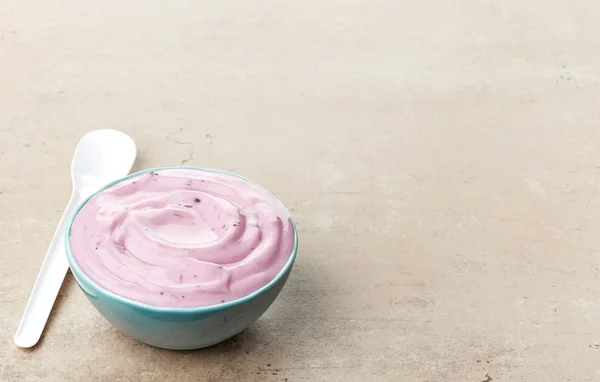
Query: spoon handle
[{"x": 48, "y": 283}]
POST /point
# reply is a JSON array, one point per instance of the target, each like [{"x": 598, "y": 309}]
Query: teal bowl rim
[{"x": 162, "y": 309}]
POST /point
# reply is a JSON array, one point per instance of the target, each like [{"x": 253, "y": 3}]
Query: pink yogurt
[{"x": 182, "y": 238}]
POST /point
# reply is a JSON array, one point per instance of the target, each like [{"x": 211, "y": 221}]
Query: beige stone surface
[{"x": 442, "y": 159}]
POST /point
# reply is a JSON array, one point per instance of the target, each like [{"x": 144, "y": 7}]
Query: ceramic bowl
[{"x": 179, "y": 328}]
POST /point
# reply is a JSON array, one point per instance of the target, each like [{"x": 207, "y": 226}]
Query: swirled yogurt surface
[{"x": 182, "y": 238}]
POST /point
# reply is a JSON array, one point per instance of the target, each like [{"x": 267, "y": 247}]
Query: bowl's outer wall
[{"x": 178, "y": 330}]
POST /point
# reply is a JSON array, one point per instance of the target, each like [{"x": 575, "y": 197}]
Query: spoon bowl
[{"x": 100, "y": 155}]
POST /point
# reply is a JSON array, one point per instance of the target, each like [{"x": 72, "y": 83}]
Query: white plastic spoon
[{"x": 100, "y": 157}]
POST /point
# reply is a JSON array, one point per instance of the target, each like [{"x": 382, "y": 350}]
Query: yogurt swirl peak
[{"x": 182, "y": 238}]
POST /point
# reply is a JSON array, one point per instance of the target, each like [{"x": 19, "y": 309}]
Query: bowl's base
[{"x": 190, "y": 347}]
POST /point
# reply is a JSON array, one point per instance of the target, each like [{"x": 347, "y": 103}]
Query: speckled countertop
[{"x": 442, "y": 160}]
